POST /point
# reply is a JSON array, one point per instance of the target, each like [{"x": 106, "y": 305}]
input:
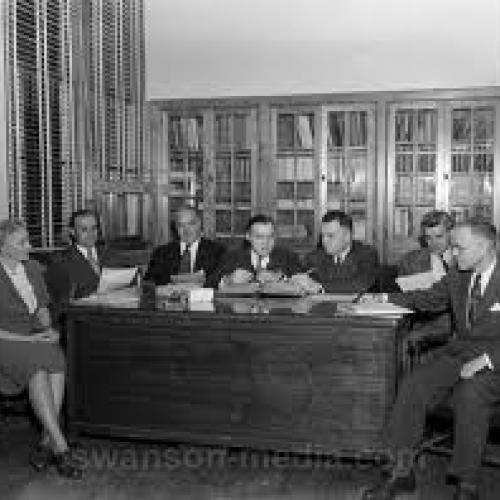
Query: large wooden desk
[{"x": 286, "y": 375}]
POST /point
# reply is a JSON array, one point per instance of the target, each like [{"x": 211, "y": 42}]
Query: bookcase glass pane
[
  {"x": 242, "y": 135},
  {"x": 472, "y": 161},
  {"x": 295, "y": 174},
  {"x": 336, "y": 129},
  {"x": 295, "y": 131},
  {"x": 241, "y": 218},
  {"x": 358, "y": 129},
  {"x": 223, "y": 221},
  {"x": 223, "y": 192},
  {"x": 242, "y": 193},
  {"x": 415, "y": 163},
  {"x": 185, "y": 183},
  {"x": 347, "y": 161},
  {"x": 233, "y": 171},
  {"x": 186, "y": 132}
]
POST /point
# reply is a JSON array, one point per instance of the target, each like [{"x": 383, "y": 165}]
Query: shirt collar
[
  {"x": 485, "y": 275},
  {"x": 342, "y": 255},
  {"x": 255, "y": 259},
  {"x": 192, "y": 248},
  {"x": 84, "y": 252}
]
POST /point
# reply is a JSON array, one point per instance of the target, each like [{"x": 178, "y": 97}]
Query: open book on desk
[
  {"x": 114, "y": 278},
  {"x": 271, "y": 289},
  {"x": 373, "y": 309}
]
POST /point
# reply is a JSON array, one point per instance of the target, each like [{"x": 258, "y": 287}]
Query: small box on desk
[{"x": 199, "y": 295}]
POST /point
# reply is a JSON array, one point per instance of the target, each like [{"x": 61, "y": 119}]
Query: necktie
[
  {"x": 475, "y": 297},
  {"x": 93, "y": 262},
  {"x": 445, "y": 264},
  {"x": 259, "y": 264},
  {"x": 185, "y": 262}
]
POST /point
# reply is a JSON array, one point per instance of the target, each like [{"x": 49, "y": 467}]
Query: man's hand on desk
[
  {"x": 306, "y": 283},
  {"x": 266, "y": 276},
  {"x": 476, "y": 365},
  {"x": 238, "y": 277},
  {"x": 381, "y": 298}
]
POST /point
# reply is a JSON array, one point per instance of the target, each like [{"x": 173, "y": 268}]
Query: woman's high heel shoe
[{"x": 67, "y": 465}]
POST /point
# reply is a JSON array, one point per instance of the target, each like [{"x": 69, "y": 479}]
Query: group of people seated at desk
[
  {"x": 338, "y": 264},
  {"x": 463, "y": 296}
]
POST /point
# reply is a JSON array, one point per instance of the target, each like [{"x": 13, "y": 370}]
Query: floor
[{"x": 140, "y": 471}]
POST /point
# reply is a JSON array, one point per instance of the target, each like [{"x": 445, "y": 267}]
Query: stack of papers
[
  {"x": 373, "y": 308},
  {"x": 125, "y": 297},
  {"x": 418, "y": 281}
]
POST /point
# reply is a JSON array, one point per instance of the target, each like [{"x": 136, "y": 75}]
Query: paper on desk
[
  {"x": 124, "y": 297},
  {"x": 418, "y": 281},
  {"x": 373, "y": 308},
  {"x": 113, "y": 278}
]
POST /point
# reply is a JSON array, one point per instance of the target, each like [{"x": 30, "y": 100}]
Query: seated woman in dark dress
[{"x": 30, "y": 355}]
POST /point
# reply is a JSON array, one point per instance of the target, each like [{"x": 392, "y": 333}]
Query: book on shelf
[{"x": 305, "y": 132}]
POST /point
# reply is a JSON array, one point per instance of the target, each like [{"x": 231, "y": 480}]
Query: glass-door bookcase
[
  {"x": 186, "y": 160},
  {"x": 441, "y": 155},
  {"x": 235, "y": 170},
  {"x": 348, "y": 176},
  {"x": 295, "y": 173}
]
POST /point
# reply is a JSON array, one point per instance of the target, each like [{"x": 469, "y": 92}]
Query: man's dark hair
[
  {"x": 341, "y": 217},
  {"x": 435, "y": 218},
  {"x": 259, "y": 219},
  {"x": 479, "y": 226}
]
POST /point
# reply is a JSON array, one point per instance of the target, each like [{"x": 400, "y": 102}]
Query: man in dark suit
[
  {"x": 468, "y": 366},
  {"x": 75, "y": 272},
  {"x": 434, "y": 257},
  {"x": 435, "y": 254},
  {"x": 339, "y": 263},
  {"x": 192, "y": 253},
  {"x": 259, "y": 259}
]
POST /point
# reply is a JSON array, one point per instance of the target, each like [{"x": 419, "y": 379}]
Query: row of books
[
  {"x": 416, "y": 125},
  {"x": 425, "y": 190},
  {"x": 357, "y": 124},
  {"x": 295, "y": 169},
  {"x": 295, "y": 131},
  {"x": 233, "y": 131},
  {"x": 186, "y": 133},
  {"x": 242, "y": 169},
  {"x": 239, "y": 192}
]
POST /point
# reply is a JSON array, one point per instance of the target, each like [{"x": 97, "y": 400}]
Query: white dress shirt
[
  {"x": 254, "y": 257},
  {"x": 193, "y": 251}
]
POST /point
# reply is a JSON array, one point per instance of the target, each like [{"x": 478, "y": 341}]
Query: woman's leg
[
  {"x": 56, "y": 381},
  {"x": 44, "y": 403}
]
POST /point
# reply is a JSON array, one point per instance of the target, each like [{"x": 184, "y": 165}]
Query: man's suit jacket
[
  {"x": 165, "y": 261},
  {"x": 280, "y": 260},
  {"x": 428, "y": 323},
  {"x": 14, "y": 314},
  {"x": 452, "y": 293},
  {"x": 416, "y": 261},
  {"x": 71, "y": 276},
  {"x": 358, "y": 272}
]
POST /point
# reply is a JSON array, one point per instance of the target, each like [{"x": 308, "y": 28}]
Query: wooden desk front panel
[{"x": 284, "y": 383}]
